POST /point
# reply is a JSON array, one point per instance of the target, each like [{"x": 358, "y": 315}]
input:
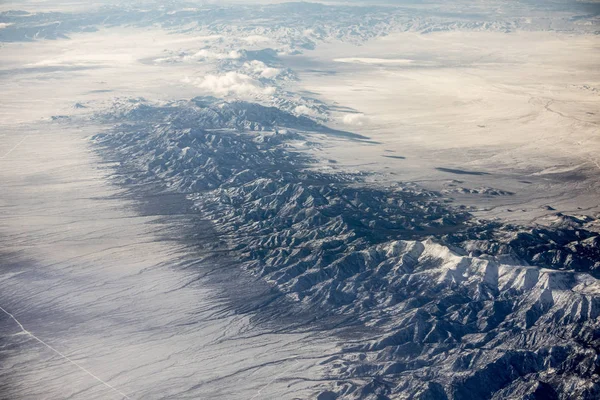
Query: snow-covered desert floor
[
  {"x": 513, "y": 111},
  {"x": 111, "y": 302},
  {"x": 281, "y": 200}
]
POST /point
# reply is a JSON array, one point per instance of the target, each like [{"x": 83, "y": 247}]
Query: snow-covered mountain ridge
[
  {"x": 462, "y": 316},
  {"x": 299, "y": 26}
]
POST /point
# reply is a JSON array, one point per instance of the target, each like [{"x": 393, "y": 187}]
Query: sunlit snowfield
[
  {"x": 368, "y": 200},
  {"x": 512, "y": 105}
]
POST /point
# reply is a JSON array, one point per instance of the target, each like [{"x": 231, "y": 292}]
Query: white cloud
[
  {"x": 205, "y": 54},
  {"x": 232, "y": 83},
  {"x": 201, "y": 55},
  {"x": 260, "y": 68},
  {"x": 256, "y": 39},
  {"x": 83, "y": 59},
  {"x": 304, "y": 110},
  {"x": 355, "y": 119}
]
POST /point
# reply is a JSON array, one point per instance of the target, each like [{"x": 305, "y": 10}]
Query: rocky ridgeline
[
  {"x": 566, "y": 243},
  {"x": 471, "y": 321},
  {"x": 452, "y": 326}
]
